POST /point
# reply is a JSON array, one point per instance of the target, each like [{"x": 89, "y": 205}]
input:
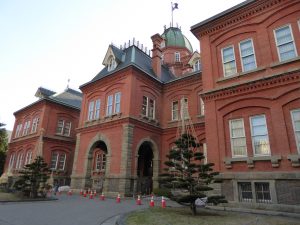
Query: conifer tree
[
  {"x": 33, "y": 178},
  {"x": 3, "y": 147},
  {"x": 186, "y": 177}
]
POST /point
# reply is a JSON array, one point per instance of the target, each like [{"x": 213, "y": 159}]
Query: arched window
[
  {"x": 12, "y": 161},
  {"x": 20, "y": 159},
  {"x": 111, "y": 64}
]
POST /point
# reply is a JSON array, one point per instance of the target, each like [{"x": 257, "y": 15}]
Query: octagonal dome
[{"x": 174, "y": 38}]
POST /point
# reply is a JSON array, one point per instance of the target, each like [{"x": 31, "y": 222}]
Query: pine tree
[
  {"x": 186, "y": 176},
  {"x": 33, "y": 178},
  {"x": 3, "y": 147}
]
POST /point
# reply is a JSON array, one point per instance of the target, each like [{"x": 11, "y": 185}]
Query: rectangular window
[
  {"x": 185, "y": 108},
  {"x": 145, "y": 106},
  {"x": 28, "y": 157},
  {"x": 259, "y": 134},
  {"x": 12, "y": 161},
  {"x": 20, "y": 159},
  {"x": 245, "y": 191},
  {"x": 202, "y": 109},
  {"x": 196, "y": 66},
  {"x": 67, "y": 129},
  {"x": 175, "y": 110},
  {"x": 62, "y": 161},
  {"x": 117, "y": 102},
  {"x": 91, "y": 110},
  {"x": 60, "y": 126},
  {"x": 18, "y": 130},
  {"x": 151, "y": 113},
  {"x": 26, "y": 128},
  {"x": 97, "y": 109},
  {"x": 262, "y": 192},
  {"x": 238, "y": 138},
  {"x": 296, "y": 126},
  {"x": 35, "y": 123},
  {"x": 109, "y": 108},
  {"x": 285, "y": 43},
  {"x": 177, "y": 56},
  {"x": 247, "y": 55},
  {"x": 228, "y": 58},
  {"x": 100, "y": 161},
  {"x": 54, "y": 160},
  {"x": 205, "y": 160}
]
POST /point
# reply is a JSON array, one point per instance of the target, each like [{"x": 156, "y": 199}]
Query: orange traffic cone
[
  {"x": 91, "y": 195},
  {"x": 70, "y": 192},
  {"x": 81, "y": 192},
  {"x": 163, "y": 202},
  {"x": 118, "y": 200},
  {"x": 138, "y": 201},
  {"x": 102, "y": 197},
  {"x": 85, "y": 193},
  {"x": 95, "y": 193},
  {"x": 89, "y": 191},
  {"x": 152, "y": 201}
]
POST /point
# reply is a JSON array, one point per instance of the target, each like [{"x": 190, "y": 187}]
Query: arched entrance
[
  {"x": 97, "y": 161},
  {"x": 145, "y": 169}
]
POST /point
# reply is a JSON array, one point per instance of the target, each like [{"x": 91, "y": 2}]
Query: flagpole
[{"x": 172, "y": 12}]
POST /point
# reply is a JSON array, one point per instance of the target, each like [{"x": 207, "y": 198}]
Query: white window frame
[
  {"x": 196, "y": 65},
  {"x": 146, "y": 106},
  {"x": 64, "y": 128},
  {"x": 12, "y": 160},
  {"x": 91, "y": 110},
  {"x": 223, "y": 63},
  {"x": 185, "y": 108},
  {"x": 18, "y": 130},
  {"x": 56, "y": 160},
  {"x": 61, "y": 132},
  {"x": 254, "y": 55},
  {"x": 150, "y": 108},
  {"x": 20, "y": 159},
  {"x": 109, "y": 105},
  {"x": 293, "y": 40},
  {"x": 97, "y": 109},
  {"x": 177, "y": 56},
  {"x": 26, "y": 128},
  {"x": 35, "y": 123},
  {"x": 202, "y": 106},
  {"x": 100, "y": 162},
  {"x": 59, "y": 161},
  {"x": 205, "y": 152},
  {"x": 263, "y": 191},
  {"x": 28, "y": 158},
  {"x": 117, "y": 104},
  {"x": 267, "y": 134},
  {"x": 112, "y": 64},
  {"x": 294, "y": 128},
  {"x": 231, "y": 138},
  {"x": 177, "y": 110}
]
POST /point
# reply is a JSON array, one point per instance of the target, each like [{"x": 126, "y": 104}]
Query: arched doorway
[
  {"x": 97, "y": 161},
  {"x": 145, "y": 169}
]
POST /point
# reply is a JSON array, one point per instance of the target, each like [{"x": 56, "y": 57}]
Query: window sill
[
  {"x": 250, "y": 160},
  {"x": 273, "y": 65},
  {"x": 241, "y": 74},
  {"x": 200, "y": 116},
  {"x": 61, "y": 135},
  {"x": 295, "y": 159},
  {"x": 149, "y": 119}
]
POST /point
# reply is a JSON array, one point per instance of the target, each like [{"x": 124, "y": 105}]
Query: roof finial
[
  {"x": 68, "y": 83},
  {"x": 173, "y": 7}
]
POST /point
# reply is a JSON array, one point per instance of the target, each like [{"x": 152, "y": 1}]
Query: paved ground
[{"x": 74, "y": 210}]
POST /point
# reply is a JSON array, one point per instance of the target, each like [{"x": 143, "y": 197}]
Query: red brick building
[
  {"x": 130, "y": 113},
  {"x": 251, "y": 90},
  {"x": 47, "y": 128}
]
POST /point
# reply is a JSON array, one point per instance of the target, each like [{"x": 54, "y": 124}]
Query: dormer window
[
  {"x": 196, "y": 66},
  {"x": 111, "y": 64},
  {"x": 177, "y": 56}
]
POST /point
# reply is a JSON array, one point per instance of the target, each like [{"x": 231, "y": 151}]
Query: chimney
[{"x": 156, "y": 54}]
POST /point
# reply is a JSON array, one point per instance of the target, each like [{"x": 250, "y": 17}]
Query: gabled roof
[
  {"x": 68, "y": 97},
  {"x": 133, "y": 56}
]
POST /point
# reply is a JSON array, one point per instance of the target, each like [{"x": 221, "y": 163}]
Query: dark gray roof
[
  {"x": 228, "y": 11},
  {"x": 69, "y": 97},
  {"x": 133, "y": 56},
  {"x": 43, "y": 92}
]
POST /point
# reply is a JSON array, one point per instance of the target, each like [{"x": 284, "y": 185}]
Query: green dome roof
[{"x": 174, "y": 37}]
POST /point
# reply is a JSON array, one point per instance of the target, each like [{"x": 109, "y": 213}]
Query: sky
[{"x": 44, "y": 43}]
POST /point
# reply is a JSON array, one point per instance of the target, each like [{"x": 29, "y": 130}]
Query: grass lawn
[
  {"x": 9, "y": 197},
  {"x": 183, "y": 216}
]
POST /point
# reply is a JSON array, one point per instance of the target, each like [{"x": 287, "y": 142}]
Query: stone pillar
[
  {"x": 76, "y": 180},
  {"x": 125, "y": 181},
  {"x": 155, "y": 172}
]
